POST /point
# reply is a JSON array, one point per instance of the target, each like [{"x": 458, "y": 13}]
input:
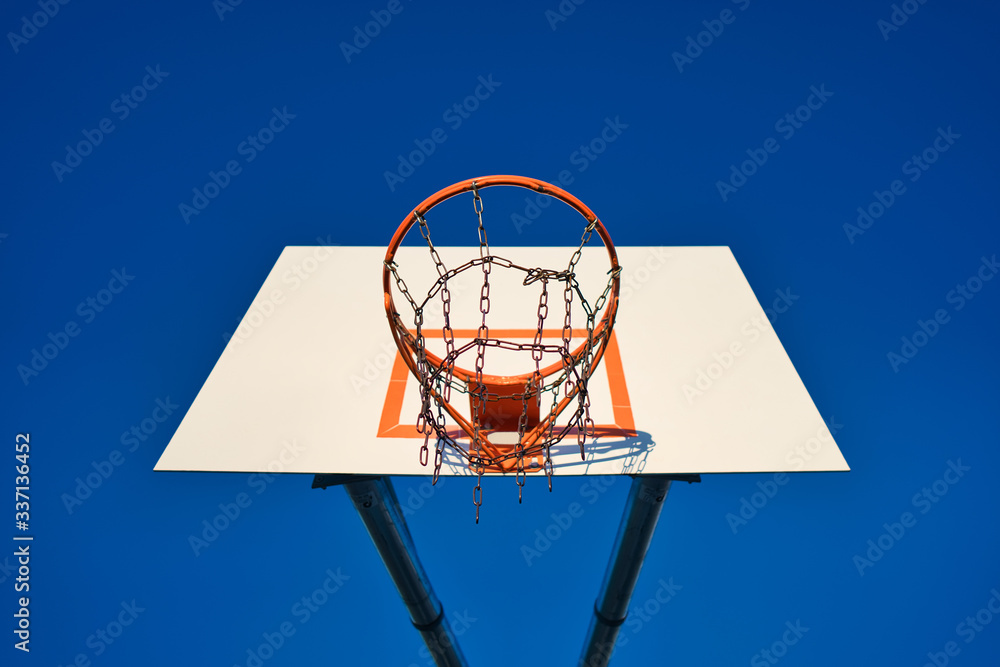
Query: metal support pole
[
  {"x": 376, "y": 503},
  {"x": 642, "y": 510}
]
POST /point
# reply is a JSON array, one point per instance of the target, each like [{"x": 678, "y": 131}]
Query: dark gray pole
[
  {"x": 375, "y": 501},
  {"x": 642, "y": 510}
]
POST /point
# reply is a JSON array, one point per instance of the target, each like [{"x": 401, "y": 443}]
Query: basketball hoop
[{"x": 508, "y": 430}]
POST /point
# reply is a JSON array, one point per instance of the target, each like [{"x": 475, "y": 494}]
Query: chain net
[{"x": 568, "y": 385}]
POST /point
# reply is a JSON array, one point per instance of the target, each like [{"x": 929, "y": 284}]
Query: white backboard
[{"x": 311, "y": 378}]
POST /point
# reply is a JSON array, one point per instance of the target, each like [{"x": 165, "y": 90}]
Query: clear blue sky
[{"x": 839, "y": 112}]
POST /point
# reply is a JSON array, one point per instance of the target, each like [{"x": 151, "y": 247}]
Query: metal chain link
[
  {"x": 438, "y": 459},
  {"x": 477, "y": 495}
]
